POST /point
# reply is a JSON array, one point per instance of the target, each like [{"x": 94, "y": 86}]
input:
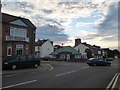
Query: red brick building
[{"x": 18, "y": 36}]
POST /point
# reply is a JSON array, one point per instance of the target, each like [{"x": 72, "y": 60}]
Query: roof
[
  {"x": 7, "y": 18},
  {"x": 105, "y": 48},
  {"x": 88, "y": 45},
  {"x": 96, "y": 46},
  {"x": 65, "y": 49},
  {"x": 41, "y": 42}
]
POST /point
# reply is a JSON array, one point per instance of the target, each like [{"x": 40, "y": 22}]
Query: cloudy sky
[{"x": 94, "y": 21}]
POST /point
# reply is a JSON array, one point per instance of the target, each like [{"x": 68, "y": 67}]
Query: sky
[{"x": 93, "y": 21}]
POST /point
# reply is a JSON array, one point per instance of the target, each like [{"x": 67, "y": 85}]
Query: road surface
[{"x": 64, "y": 75}]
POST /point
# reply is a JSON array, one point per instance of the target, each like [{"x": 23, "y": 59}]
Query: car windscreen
[
  {"x": 22, "y": 58},
  {"x": 30, "y": 57}
]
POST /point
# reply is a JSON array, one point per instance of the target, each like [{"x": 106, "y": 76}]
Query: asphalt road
[{"x": 64, "y": 75}]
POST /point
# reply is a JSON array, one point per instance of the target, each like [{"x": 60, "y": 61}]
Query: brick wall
[{"x": 6, "y": 31}]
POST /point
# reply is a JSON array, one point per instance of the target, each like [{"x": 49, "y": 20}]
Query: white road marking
[
  {"x": 51, "y": 67},
  {"x": 19, "y": 84},
  {"x": 66, "y": 73},
  {"x": 85, "y": 67},
  {"x": 11, "y": 75},
  {"x": 114, "y": 84},
  {"x": 111, "y": 81}
]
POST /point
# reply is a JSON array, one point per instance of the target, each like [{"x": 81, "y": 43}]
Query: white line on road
[
  {"x": 20, "y": 84},
  {"x": 66, "y": 73},
  {"x": 114, "y": 84},
  {"x": 85, "y": 67},
  {"x": 11, "y": 75},
  {"x": 111, "y": 81}
]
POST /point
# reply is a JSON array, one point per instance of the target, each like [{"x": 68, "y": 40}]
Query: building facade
[
  {"x": 66, "y": 53},
  {"x": 107, "y": 53},
  {"x": 81, "y": 47},
  {"x": 44, "y": 47},
  {"x": 88, "y": 50},
  {"x": 18, "y": 36}
]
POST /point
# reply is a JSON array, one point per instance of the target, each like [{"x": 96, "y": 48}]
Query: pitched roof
[
  {"x": 41, "y": 42},
  {"x": 88, "y": 45},
  {"x": 105, "y": 49},
  {"x": 98, "y": 47},
  {"x": 65, "y": 49},
  {"x": 7, "y": 18}
]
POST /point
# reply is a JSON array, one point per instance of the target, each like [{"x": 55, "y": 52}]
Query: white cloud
[
  {"x": 64, "y": 13},
  {"x": 84, "y": 24}
]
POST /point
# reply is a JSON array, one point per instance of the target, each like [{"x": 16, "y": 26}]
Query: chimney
[{"x": 77, "y": 42}]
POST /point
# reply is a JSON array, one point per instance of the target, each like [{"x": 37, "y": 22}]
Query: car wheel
[
  {"x": 108, "y": 64},
  {"x": 36, "y": 65},
  {"x": 94, "y": 64},
  {"x": 14, "y": 67}
]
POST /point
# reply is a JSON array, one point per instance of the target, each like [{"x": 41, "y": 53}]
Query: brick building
[{"x": 18, "y": 36}]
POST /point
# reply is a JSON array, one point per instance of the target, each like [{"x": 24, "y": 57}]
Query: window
[
  {"x": 19, "y": 49},
  {"x": 53, "y": 56},
  {"x": 62, "y": 56},
  {"x": 23, "y": 58},
  {"x": 18, "y": 32},
  {"x": 78, "y": 50},
  {"x": 30, "y": 57},
  {"x": 26, "y": 49},
  {"x": 9, "y": 50},
  {"x": 18, "y": 22},
  {"x": 38, "y": 48},
  {"x": 77, "y": 56}
]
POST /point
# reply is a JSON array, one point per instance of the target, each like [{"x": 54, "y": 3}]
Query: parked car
[
  {"x": 97, "y": 62},
  {"x": 46, "y": 58},
  {"x": 22, "y": 61},
  {"x": 109, "y": 59}
]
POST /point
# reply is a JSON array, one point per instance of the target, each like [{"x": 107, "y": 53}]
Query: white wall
[
  {"x": 36, "y": 48},
  {"x": 46, "y": 49},
  {"x": 82, "y": 48}
]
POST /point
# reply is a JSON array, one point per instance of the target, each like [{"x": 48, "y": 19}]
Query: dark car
[
  {"x": 22, "y": 61},
  {"x": 109, "y": 59},
  {"x": 97, "y": 62},
  {"x": 46, "y": 58}
]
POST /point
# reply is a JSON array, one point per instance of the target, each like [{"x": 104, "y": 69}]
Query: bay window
[
  {"x": 19, "y": 49},
  {"x": 18, "y": 32}
]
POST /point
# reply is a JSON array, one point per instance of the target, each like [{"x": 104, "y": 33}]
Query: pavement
[{"x": 43, "y": 66}]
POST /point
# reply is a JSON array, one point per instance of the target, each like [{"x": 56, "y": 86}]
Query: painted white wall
[
  {"x": 46, "y": 49},
  {"x": 82, "y": 48},
  {"x": 36, "y": 48}
]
